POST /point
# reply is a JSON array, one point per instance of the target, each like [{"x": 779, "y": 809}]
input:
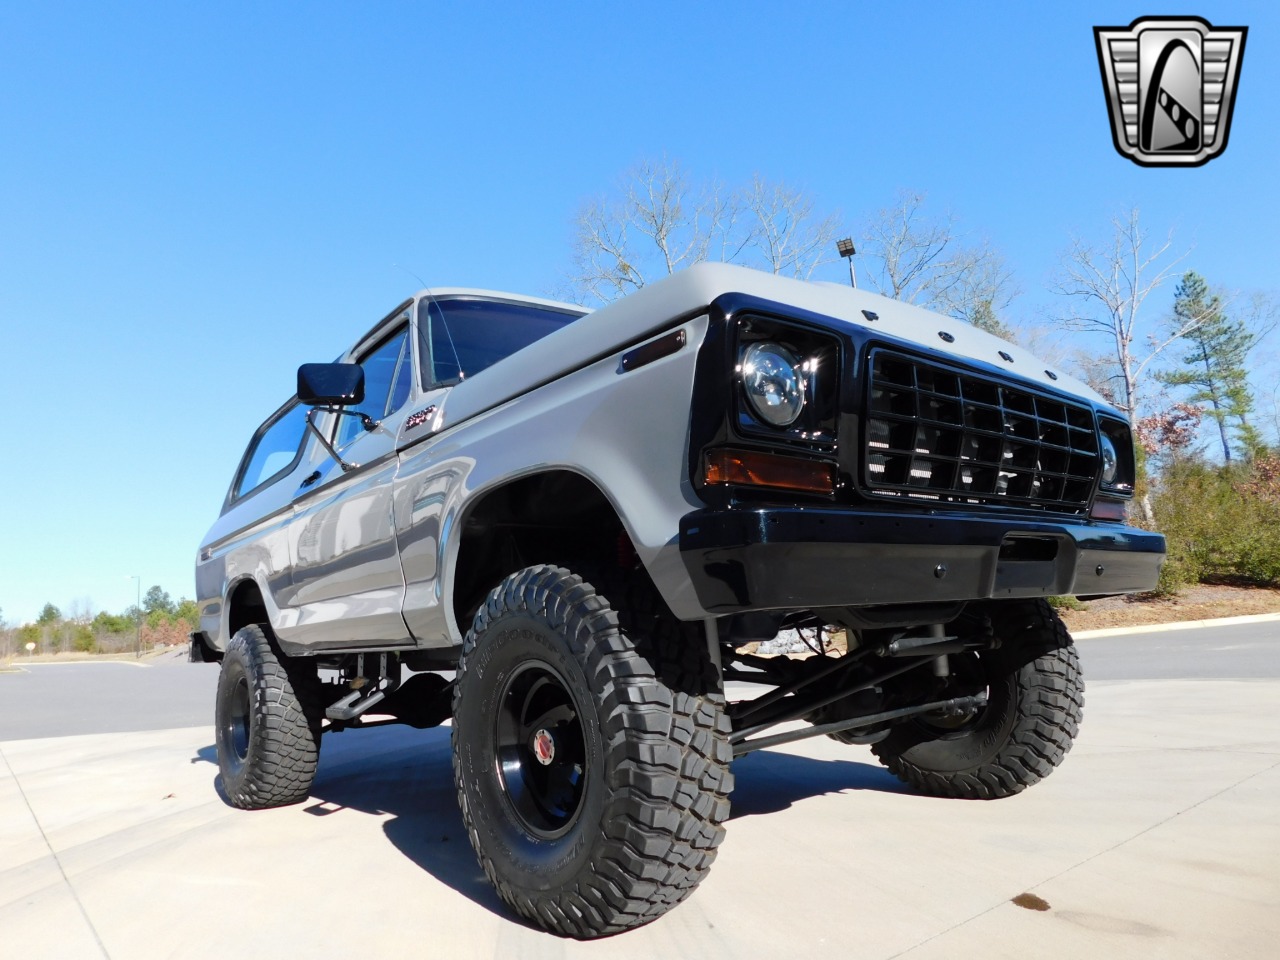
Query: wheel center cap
[{"x": 544, "y": 748}]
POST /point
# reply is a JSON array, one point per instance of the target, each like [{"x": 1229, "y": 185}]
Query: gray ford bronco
[{"x": 567, "y": 532}]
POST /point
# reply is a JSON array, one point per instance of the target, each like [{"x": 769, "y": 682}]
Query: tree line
[
  {"x": 159, "y": 621},
  {"x": 659, "y": 218}
]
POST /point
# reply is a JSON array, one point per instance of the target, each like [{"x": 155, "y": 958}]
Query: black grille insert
[{"x": 945, "y": 434}]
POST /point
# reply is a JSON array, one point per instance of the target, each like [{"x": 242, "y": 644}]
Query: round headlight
[
  {"x": 771, "y": 378},
  {"x": 1110, "y": 462}
]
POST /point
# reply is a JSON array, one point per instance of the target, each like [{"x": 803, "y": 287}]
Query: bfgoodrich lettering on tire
[
  {"x": 592, "y": 775},
  {"x": 267, "y": 723},
  {"x": 1035, "y": 701}
]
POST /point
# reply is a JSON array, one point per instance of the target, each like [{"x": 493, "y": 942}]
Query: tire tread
[
  {"x": 284, "y": 740},
  {"x": 665, "y": 737},
  {"x": 1048, "y": 709}
]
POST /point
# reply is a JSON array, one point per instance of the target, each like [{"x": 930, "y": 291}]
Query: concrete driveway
[{"x": 1158, "y": 837}]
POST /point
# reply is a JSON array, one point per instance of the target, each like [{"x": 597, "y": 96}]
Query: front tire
[
  {"x": 267, "y": 721},
  {"x": 592, "y": 771},
  {"x": 1035, "y": 702}
]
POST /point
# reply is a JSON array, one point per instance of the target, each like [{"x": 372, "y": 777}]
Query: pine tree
[
  {"x": 1215, "y": 367},
  {"x": 157, "y": 599}
]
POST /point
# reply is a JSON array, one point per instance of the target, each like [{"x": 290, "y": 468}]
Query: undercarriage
[
  {"x": 852, "y": 682},
  {"x": 854, "y": 685}
]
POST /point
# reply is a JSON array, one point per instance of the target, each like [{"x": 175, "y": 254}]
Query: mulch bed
[{"x": 1200, "y": 602}]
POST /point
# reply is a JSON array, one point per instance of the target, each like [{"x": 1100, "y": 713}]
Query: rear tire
[
  {"x": 591, "y": 768},
  {"x": 1035, "y": 702},
  {"x": 267, "y": 722}
]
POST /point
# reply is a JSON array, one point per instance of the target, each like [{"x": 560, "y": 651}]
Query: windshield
[{"x": 464, "y": 336}]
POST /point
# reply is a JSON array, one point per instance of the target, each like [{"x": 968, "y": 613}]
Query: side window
[
  {"x": 273, "y": 449},
  {"x": 463, "y": 337},
  {"x": 388, "y": 375}
]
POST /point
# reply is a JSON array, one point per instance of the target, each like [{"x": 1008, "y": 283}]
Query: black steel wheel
[
  {"x": 1035, "y": 700},
  {"x": 591, "y": 762},
  {"x": 267, "y": 723},
  {"x": 540, "y": 749}
]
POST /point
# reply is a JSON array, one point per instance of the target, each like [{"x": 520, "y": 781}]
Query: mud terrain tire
[
  {"x": 592, "y": 769},
  {"x": 267, "y": 723},
  {"x": 1036, "y": 699}
]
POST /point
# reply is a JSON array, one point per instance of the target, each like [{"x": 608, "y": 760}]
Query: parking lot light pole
[
  {"x": 846, "y": 250},
  {"x": 137, "y": 619}
]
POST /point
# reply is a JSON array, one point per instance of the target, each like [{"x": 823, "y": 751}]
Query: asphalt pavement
[
  {"x": 1158, "y": 837},
  {"x": 121, "y": 696},
  {"x": 104, "y": 696},
  {"x": 1237, "y": 651}
]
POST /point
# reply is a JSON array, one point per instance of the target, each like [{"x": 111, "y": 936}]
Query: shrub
[
  {"x": 1220, "y": 522},
  {"x": 83, "y": 640}
]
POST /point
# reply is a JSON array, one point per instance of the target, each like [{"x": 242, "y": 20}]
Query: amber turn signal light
[
  {"x": 1108, "y": 510},
  {"x": 752, "y": 468}
]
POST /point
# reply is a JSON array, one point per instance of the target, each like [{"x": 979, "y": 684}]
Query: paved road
[
  {"x": 61, "y": 700},
  {"x": 1240, "y": 651},
  {"x": 107, "y": 696},
  {"x": 1156, "y": 839}
]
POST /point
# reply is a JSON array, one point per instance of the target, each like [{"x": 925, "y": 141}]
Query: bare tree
[
  {"x": 1098, "y": 370},
  {"x": 602, "y": 254},
  {"x": 784, "y": 231},
  {"x": 1270, "y": 413},
  {"x": 1109, "y": 286},
  {"x": 1262, "y": 315},
  {"x": 1261, "y": 312},
  {"x": 659, "y": 223},
  {"x": 923, "y": 260},
  {"x": 662, "y": 221},
  {"x": 79, "y": 610},
  {"x": 981, "y": 292}
]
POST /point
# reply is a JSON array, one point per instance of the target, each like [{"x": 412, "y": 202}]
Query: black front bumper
[{"x": 804, "y": 557}]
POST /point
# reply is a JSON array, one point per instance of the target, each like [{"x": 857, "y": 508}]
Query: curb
[{"x": 1176, "y": 625}]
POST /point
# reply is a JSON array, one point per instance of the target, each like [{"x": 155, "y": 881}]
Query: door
[{"x": 347, "y": 586}]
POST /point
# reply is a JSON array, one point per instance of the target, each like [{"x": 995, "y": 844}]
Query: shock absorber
[{"x": 941, "y": 663}]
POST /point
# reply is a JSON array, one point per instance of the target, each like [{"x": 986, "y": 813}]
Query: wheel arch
[
  {"x": 245, "y": 605},
  {"x": 556, "y": 516}
]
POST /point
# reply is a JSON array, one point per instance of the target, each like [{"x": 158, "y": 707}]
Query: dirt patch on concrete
[{"x": 1201, "y": 602}]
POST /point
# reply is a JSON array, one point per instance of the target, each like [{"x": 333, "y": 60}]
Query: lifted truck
[{"x": 564, "y": 530}]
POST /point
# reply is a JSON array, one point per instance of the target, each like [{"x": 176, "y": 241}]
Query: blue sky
[{"x": 196, "y": 198}]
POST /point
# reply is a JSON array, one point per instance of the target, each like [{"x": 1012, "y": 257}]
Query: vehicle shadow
[
  {"x": 407, "y": 775},
  {"x": 767, "y": 782},
  {"x": 207, "y": 754}
]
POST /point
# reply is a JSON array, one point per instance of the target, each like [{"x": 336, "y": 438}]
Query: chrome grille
[{"x": 945, "y": 434}]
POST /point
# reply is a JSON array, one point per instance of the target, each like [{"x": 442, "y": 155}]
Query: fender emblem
[{"x": 415, "y": 420}]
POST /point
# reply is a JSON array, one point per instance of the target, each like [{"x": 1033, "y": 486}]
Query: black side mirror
[
  {"x": 333, "y": 385},
  {"x": 330, "y": 384}
]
